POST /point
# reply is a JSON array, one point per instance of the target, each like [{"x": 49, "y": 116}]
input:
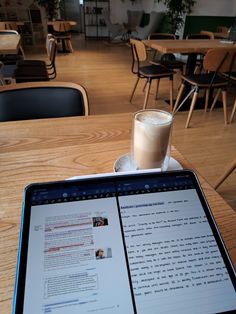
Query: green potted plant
[{"x": 175, "y": 12}]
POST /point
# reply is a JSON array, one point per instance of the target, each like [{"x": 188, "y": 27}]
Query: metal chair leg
[
  {"x": 147, "y": 94},
  {"x": 144, "y": 87},
  {"x": 135, "y": 85},
  {"x": 215, "y": 98},
  {"x": 171, "y": 93},
  {"x": 195, "y": 95},
  {"x": 157, "y": 89}
]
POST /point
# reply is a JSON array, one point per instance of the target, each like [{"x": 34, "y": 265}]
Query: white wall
[
  {"x": 215, "y": 7},
  {"x": 202, "y": 7}
]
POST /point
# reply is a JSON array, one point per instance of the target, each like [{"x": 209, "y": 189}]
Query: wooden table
[
  {"x": 9, "y": 44},
  {"x": 188, "y": 46},
  {"x": 72, "y": 23},
  {"x": 10, "y": 25},
  {"x": 55, "y": 149},
  {"x": 192, "y": 47}
]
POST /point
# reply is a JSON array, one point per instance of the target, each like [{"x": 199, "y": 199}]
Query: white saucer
[{"x": 123, "y": 163}]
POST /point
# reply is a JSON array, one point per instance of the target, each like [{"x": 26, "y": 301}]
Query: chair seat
[
  {"x": 31, "y": 74},
  {"x": 153, "y": 71},
  {"x": 10, "y": 59},
  {"x": 62, "y": 35},
  {"x": 204, "y": 80},
  {"x": 173, "y": 64},
  {"x": 30, "y": 63},
  {"x": 31, "y": 71}
]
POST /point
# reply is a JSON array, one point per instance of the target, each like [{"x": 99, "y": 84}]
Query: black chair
[
  {"x": 167, "y": 59},
  {"x": 38, "y": 70},
  {"x": 199, "y": 58},
  {"x": 32, "y": 62},
  {"x": 216, "y": 62},
  {"x": 232, "y": 81},
  {"x": 148, "y": 72},
  {"x": 42, "y": 100}
]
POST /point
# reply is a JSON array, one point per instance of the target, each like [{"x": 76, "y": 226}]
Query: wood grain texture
[
  {"x": 186, "y": 45},
  {"x": 45, "y": 150},
  {"x": 9, "y": 44},
  {"x": 55, "y": 149}
]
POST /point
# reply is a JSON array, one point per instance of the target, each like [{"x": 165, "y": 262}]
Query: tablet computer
[{"x": 141, "y": 243}]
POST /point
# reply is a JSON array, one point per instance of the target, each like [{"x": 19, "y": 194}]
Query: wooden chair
[
  {"x": 207, "y": 33},
  {"x": 39, "y": 70},
  {"x": 148, "y": 72},
  {"x": 225, "y": 175},
  {"x": 40, "y": 100},
  {"x": 199, "y": 61},
  {"x": 9, "y": 26},
  {"x": 167, "y": 59},
  {"x": 49, "y": 63},
  {"x": 231, "y": 79},
  {"x": 62, "y": 34},
  {"x": 216, "y": 61},
  {"x": 222, "y": 29}
]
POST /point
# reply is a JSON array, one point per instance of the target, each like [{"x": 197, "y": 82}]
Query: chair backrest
[
  {"x": 8, "y": 26},
  {"x": 39, "y": 100},
  {"x": 222, "y": 29},
  {"x": 61, "y": 26},
  {"x": 11, "y": 25},
  {"x": 138, "y": 50},
  {"x": 52, "y": 51},
  {"x": 219, "y": 60},
  {"x": 8, "y": 32},
  {"x": 210, "y": 34},
  {"x": 198, "y": 36},
  {"x": 48, "y": 44},
  {"x": 161, "y": 36}
]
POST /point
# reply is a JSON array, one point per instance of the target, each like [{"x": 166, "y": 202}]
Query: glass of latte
[{"x": 151, "y": 139}]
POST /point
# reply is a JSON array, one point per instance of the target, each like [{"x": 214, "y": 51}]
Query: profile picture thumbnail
[
  {"x": 102, "y": 253},
  {"x": 100, "y": 221}
]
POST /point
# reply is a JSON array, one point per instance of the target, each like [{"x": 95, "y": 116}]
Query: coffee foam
[{"x": 154, "y": 117}]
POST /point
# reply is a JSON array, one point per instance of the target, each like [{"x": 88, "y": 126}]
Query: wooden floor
[{"x": 104, "y": 69}]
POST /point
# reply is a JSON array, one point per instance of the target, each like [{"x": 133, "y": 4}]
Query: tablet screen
[
  {"x": 77, "y": 261},
  {"x": 175, "y": 263}
]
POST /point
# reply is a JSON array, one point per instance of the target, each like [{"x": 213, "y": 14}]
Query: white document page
[
  {"x": 76, "y": 261},
  {"x": 175, "y": 263}
]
